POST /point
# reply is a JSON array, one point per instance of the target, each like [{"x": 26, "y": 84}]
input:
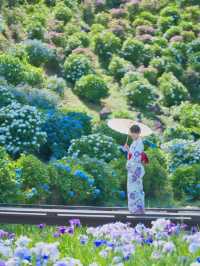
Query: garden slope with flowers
[
  {"x": 164, "y": 243},
  {"x": 61, "y": 62}
]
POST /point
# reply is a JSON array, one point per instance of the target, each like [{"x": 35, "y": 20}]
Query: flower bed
[{"x": 165, "y": 243}]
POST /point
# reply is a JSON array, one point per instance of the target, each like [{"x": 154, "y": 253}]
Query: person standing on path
[{"x": 135, "y": 168}]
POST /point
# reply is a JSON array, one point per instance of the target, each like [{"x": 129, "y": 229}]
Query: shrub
[
  {"x": 102, "y": 18},
  {"x": 95, "y": 145},
  {"x": 140, "y": 94},
  {"x": 148, "y": 16},
  {"x": 120, "y": 28},
  {"x": 191, "y": 80},
  {"x": 192, "y": 13},
  {"x": 188, "y": 36},
  {"x": 56, "y": 84},
  {"x": 8, "y": 188},
  {"x": 38, "y": 52},
  {"x": 35, "y": 30},
  {"x": 76, "y": 66},
  {"x": 83, "y": 37},
  {"x": 61, "y": 128},
  {"x": 34, "y": 179},
  {"x": 50, "y": 2},
  {"x": 20, "y": 129},
  {"x": 165, "y": 23},
  {"x": 132, "y": 9},
  {"x": 156, "y": 176},
  {"x": 173, "y": 31},
  {"x": 42, "y": 99},
  {"x": 11, "y": 69},
  {"x": 189, "y": 117},
  {"x": 118, "y": 67},
  {"x": 174, "y": 92},
  {"x": 72, "y": 43},
  {"x": 106, "y": 44},
  {"x": 171, "y": 11},
  {"x": 92, "y": 88},
  {"x": 181, "y": 153},
  {"x": 118, "y": 13},
  {"x": 189, "y": 2},
  {"x": 151, "y": 74},
  {"x": 102, "y": 175},
  {"x": 99, "y": 5},
  {"x": 96, "y": 28},
  {"x": 167, "y": 64},
  {"x": 34, "y": 76},
  {"x": 88, "y": 12},
  {"x": 194, "y": 60},
  {"x": 69, "y": 184},
  {"x": 193, "y": 47},
  {"x": 6, "y": 95},
  {"x": 136, "y": 52},
  {"x": 178, "y": 132},
  {"x": 130, "y": 77},
  {"x": 176, "y": 51},
  {"x": 193, "y": 50},
  {"x": 159, "y": 64},
  {"x": 63, "y": 13},
  {"x": 185, "y": 182}
]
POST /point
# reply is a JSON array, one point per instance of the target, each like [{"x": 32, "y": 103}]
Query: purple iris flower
[
  {"x": 41, "y": 226},
  {"x": 75, "y": 222}
]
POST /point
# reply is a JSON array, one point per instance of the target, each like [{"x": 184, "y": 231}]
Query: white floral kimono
[{"x": 136, "y": 172}]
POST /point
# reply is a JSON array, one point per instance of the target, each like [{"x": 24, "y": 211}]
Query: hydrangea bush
[
  {"x": 186, "y": 182},
  {"x": 61, "y": 128},
  {"x": 136, "y": 52},
  {"x": 92, "y": 88},
  {"x": 76, "y": 66},
  {"x": 38, "y": 52},
  {"x": 8, "y": 188},
  {"x": 11, "y": 69},
  {"x": 103, "y": 177},
  {"x": 95, "y": 145},
  {"x": 20, "y": 129},
  {"x": 6, "y": 95},
  {"x": 182, "y": 153},
  {"x": 70, "y": 184},
  {"x": 56, "y": 84},
  {"x": 106, "y": 44},
  {"x": 118, "y": 67},
  {"x": 42, "y": 99},
  {"x": 174, "y": 92},
  {"x": 189, "y": 117},
  {"x": 140, "y": 94}
]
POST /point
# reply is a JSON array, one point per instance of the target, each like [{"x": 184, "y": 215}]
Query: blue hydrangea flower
[
  {"x": 71, "y": 194},
  {"x": 91, "y": 181},
  {"x": 45, "y": 187},
  {"x": 18, "y": 172},
  {"x": 122, "y": 194},
  {"x": 96, "y": 192},
  {"x": 81, "y": 174},
  {"x": 68, "y": 168}
]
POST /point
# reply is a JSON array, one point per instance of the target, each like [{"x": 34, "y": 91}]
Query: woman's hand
[{"x": 126, "y": 147}]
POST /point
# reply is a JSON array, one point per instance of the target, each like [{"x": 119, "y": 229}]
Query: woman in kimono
[{"x": 136, "y": 172}]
